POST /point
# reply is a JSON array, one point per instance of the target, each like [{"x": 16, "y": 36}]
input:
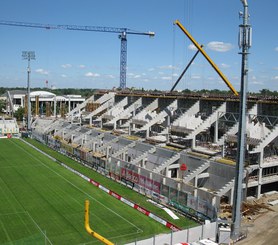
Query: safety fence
[{"x": 206, "y": 231}]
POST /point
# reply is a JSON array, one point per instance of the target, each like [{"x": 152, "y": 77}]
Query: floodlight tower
[
  {"x": 28, "y": 55},
  {"x": 245, "y": 33}
]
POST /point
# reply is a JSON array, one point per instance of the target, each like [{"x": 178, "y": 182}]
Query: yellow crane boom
[{"x": 199, "y": 47}]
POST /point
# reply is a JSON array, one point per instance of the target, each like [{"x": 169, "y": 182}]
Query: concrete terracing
[{"x": 154, "y": 135}]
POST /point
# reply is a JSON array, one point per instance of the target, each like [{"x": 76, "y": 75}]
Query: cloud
[
  {"x": 66, "y": 66},
  {"x": 225, "y": 66},
  {"x": 151, "y": 69},
  {"x": 166, "y": 78},
  {"x": 168, "y": 67},
  {"x": 110, "y": 76},
  {"x": 219, "y": 46},
  {"x": 275, "y": 68},
  {"x": 275, "y": 78},
  {"x": 276, "y": 49},
  {"x": 63, "y": 75},
  {"x": 192, "y": 47},
  {"x": 137, "y": 76},
  {"x": 90, "y": 74},
  {"x": 41, "y": 71},
  {"x": 195, "y": 77},
  {"x": 82, "y": 66}
]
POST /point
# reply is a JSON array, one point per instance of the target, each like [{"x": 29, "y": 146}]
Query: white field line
[
  {"x": 85, "y": 193},
  {"x": 38, "y": 227},
  {"x": 21, "y": 166},
  {"x": 24, "y": 212},
  {"x": 21, "y": 219},
  {"x": 13, "y": 213}
]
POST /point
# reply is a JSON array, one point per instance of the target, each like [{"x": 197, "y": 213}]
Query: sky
[{"x": 76, "y": 59}]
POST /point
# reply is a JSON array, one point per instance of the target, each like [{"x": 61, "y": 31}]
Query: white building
[{"x": 41, "y": 101}]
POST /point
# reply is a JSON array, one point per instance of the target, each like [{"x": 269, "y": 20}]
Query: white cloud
[
  {"x": 223, "y": 65},
  {"x": 167, "y": 67},
  {"x": 82, "y": 66},
  {"x": 166, "y": 78},
  {"x": 151, "y": 69},
  {"x": 41, "y": 71},
  {"x": 211, "y": 78},
  {"x": 63, "y": 75},
  {"x": 219, "y": 46},
  {"x": 66, "y": 66},
  {"x": 276, "y": 49},
  {"x": 275, "y": 68},
  {"x": 275, "y": 78},
  {"x": 175, "y": 75},
  {"x": 110, "y": 76},
  {"x": 137, "y": 76},
  {"x": 90, "y": 74},
  {"x": 192, "y": 47},
  {"x": 254, "y": 78},
  {"x": 196, "y": 77}
]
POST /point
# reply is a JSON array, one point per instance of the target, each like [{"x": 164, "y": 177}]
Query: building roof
[{"x": 42, "y": 94}]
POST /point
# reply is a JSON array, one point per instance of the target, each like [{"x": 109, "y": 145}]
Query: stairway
[
  {"x": 116, "y": 109},
  {"x": 149, "y": 108},
  {"x": 226, "y": 188},
  {"x": 104, "y": 146},
  {"x": 124, "y": 149},
  {"x": 100, "y": 109},
  {"x": 161, "y": 116},
  {"x": 234, "y": 129},
  {"x": 190, "y": 112},
  {"x": 127, "y": 113},
  {"x": 272, "y": 134},
  {"x": 167, "y": 163},
  {"x": 143, "y": 156},
  {"x": 79, "y": 107},
  {"x": 196, "y": 172},
  {"x": 208, "y": 122}
]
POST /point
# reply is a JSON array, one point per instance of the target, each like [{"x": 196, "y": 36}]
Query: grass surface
[{"x": 38, "y": 197}]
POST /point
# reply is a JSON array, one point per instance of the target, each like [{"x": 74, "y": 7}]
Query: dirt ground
[
  {"x": 263, "y": 230},
  {"x": 259, "y": 220}
]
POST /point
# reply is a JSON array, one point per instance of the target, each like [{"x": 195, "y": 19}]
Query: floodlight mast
[
  {"x": 244, "y": 44},
  {"x": 28, "y": 55}
]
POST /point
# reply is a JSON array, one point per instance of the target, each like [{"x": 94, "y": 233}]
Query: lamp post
[
  {"x": 244, "y": 44},
  {"x": 28, "y": 55}
]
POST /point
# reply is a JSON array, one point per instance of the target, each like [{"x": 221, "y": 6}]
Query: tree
[
  {"x": 2, "y": 105},
  {"x": 19, "y": 114}
]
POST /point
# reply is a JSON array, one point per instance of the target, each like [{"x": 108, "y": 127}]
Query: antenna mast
[{"x": 244, "y": 44}]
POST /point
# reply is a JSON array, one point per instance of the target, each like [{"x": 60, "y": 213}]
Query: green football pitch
[{"x": 43, "y": 203}]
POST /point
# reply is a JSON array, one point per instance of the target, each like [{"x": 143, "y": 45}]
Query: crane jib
[{"x": 123, "y": 32}]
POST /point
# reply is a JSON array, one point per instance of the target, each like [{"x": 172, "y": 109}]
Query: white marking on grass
[
  {"x": 6, "y": 232},
  {"x": 13, "y": 213},
  {"x": 24, "y": 212},
  {"x": 112, "y": 211},
  {"x": 44, "y": 234}
]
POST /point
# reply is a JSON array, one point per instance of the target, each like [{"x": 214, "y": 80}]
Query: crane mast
[{"x": 123, "y": 37}]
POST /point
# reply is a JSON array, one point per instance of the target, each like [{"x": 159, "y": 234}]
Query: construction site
[
  {"x": 199, "y": 154},
  {"x": 174, "y": 147}
]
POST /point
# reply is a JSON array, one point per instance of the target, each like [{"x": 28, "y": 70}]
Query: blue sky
[{"x": 91, "y": 59}]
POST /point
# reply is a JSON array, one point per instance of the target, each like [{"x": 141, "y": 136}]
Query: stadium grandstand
[{"x": 179, "y": 150}]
